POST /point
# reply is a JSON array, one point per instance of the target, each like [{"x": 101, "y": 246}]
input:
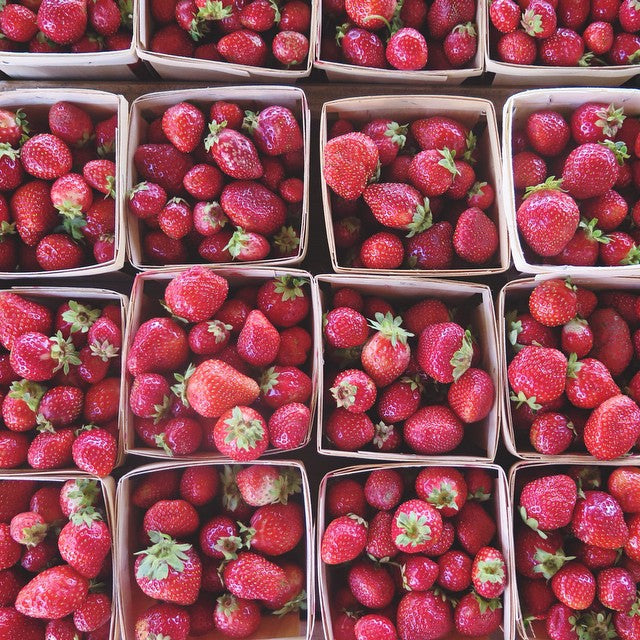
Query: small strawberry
[
  {"x": 551, "y": 433},
  {"x": 244, "y": 47},
  {"x": 258, "y": 341},
  {"x": 162, "y": 164},
  {"x": 240, "y": 433},
  {"x": 93, "y": 613},
  {"x": 622, "y": 485},
  {"x": 349, "y": 431},
  {"x": 488, "y": 573},
  {"x": 163, "y": 619},
  {"x": 28, "y": 528},
  {"x": 423, "y": 609},
  {"x": 475, "y": 238},
  {"x": 416, "y": 525},
  {"x": 183, "y": 124},
  {"x": 354, "y": 390},
  {"x": 461, "y": 44},
  {"x": 236, "y": 617},
  {"x": 574, "y": 585},
  {"x": 289, "y": 426},
  {"x": 400, "y": 399},
  {"x": 553, "y": 303},
  {"x": 474, "y": 527}
]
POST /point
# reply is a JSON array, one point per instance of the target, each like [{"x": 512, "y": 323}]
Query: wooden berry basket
[
  {"x": 108, "y": 490},
  {"x": 131, "y": 601},
  {"x": 502, "y": 514},
  {"x": 103, "y": 65},
  {"x": 98, "y": 104},
  {"x": 516, "y": 472},
  {"x": 484, "y": 437},
  {"x": 342, "y": 72},
  {"x": 517, "y": 108},
  {"x": 154, "y": 104},
  {"x": 470, "y": 111},
  {"x": 55, "y": 296},
  {"x": 519, "y": 290},
  {"x": 142, "y": 303},
  {"x": 171, "y": 67}
]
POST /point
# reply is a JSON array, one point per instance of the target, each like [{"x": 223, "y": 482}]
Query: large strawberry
[
  {"x": 84, "y": 542},
  {"x": 233, "y": 152},
  {"x": 537, "y": 375},
  {"x": 159, "y": 345},
  {"x": 422, "y": 615},
  {"x": 253, "y": 577},
  {"x": 547, "y": 503},
  {"x": 445, "y": 351},
  {"x": 613, "y": 428},
  {"x": 344, "y": 539},
  {"x": 241, "y": 433},
  {"x": 253, "y": 207},
  {"x": 416, "y": 526},
  {"x": 275, "y": 130},
  {"x": 183, "y": 125},
  {"x": 20, "y": 315},
  {"x": 590, "y": 170},
  {"x": 196, "y": 294},
  {"x": 398, "y": 206},
  {"x": 385, "y": 356}
]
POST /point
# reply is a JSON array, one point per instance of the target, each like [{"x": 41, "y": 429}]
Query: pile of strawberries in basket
[
  {"x": 258, "y": 33},
  {"x": 418, "y": 555},
  {"x": 66, "y": 26},
  {"x": 408, "y": 195},
  {"x": 574, "y": 379},
  {"x": 60, "y": 384},
  {"x": 566, "y": 33},
  {"x": 408, "y": 35},
  {"x": 408, "y": 378},
  {"x": 577, "y": 555},
  {"x": 219, "y": 550},
  {"x": 55, "y": 560},
  {"x": 57, "y": 184},
  {"x": 577, "y": 178},
  {"x": 235, "y": 360},
  {"x": 232, "y": 190}
]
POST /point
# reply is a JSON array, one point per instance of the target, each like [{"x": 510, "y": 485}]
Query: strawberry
[
  {"x": 10, "y": 550},
  {"x": 57, "y": 251},
  {"x": 176, "y": 219},
  {"x": 146, "y": 199},
  {"x": 196, "y": 294},
  {"x": 343, "y": 540},
  {"x": 616, "y": 589},
  {"x": 84, "y": 542},
  {"x": 163, "y": 619},
  {"x": 476, "y": 616},
  {"x": 78, "y": 494},
  {"x": 385, "y": 355},
  {"x": 218, "y": 538},
  {"x": 371, "y": 584},
  {"x": 240, "y": 433},
  {"x": 46, "y": 156},
  {"x": 215, "y": 388},
  {"x": 475, "y": 238},
  {"x": 379, "y": 541},
  {"x": 93, "y": 613},
  {"x": 433, "y": 171},
  {"x": 407, "y": 50},
  {"x": 372, "y": 14},
  {"x": 553, "y": 303},
  {"x": 445, "y": 351},
  {"x": 345, "y": 328},
  {"x": 629, "y": 16},
  {"x": 576, "y": 337},
  {"x": 546, "y": 209},
  {"x": 284, "y": 301},
  {"x": 172, "y": 40},
  {"x": 420, "y": 610},
  {"x": 596, "y": 122},
  {"x": 265, "y": 216},
  {"x": 101, "y": 404},
  {"x": 163, "y": 165},
  {"x": 517, "y": 48},
  {"x": 375, "y": 625},
  {"x": 454, "y": 571},
  {"x": 349, "y": 163},
  {"x": 539, "y": 19},
  {"x": 529, "y": 169},
  {"x": 274, "y": 130},
  {"x": 361, "y": 47},
  {"x": 474, "y": 528},
  {"x": 208, "y": 218},
  {"x": 504, "y": 15},
  {"x": 209, "y": 338},
  {"x": 589, "y": 383},
  {"x": 612, "y": 428},
  {"x": 13, "y": 125},
  {"x": 276, "y": 529},
  {"x": 482, "y": 195},
  {"x": 443, "y": 488},
  {"x": 28, "y": 528},
  {"x": 590, "y": 170},
  {"x": 62, "y": 22},
  {"x": 258, "y": 341},
  {"x": 611, "y": 340},
  {"x": 433, "y": 430},
  {"x": 398, "y": 206},
  {"x": 383, "y": 489},
  {"x": 282, "y": 385},
  {"x": 547, "y": 503},
  {"x": 33, "y": 211},
  {"x": 18, "y": 23},
  {"x": 236, "y": 617},
  {"x": 382, "y": 251},
  {"x": 183, "y": 124},
  {"x": 289, "y": 426},
  {"x": 416, "y": 525},
  {"x": 461, "y": 44},
  {"x": 574, "y": 585},
  {"x": 622, "y": 485},
  {"x": 439, "y": 132},
  {"x": 389, "y": 136},
  {"x": 551, "y": 433},
  {"x": 243, "y": 47},
  {"x": 145, "y": 356},
  {"x": 168, "y": 570},
  {"x": 19, "y": 315},
  {"x": 349, "y": 431},
  {"x": 399, "y": 400},
  {"x": 445, "y": 14},
  {"x": 203, "y": 181},
  {"x": 488, "y": 573},
  {"x": 547, "y": 132},
  {"x": 626, "y": 626},
  {"x": 345, "y": 496},
  {"x": 36, "y": 357},
  {"x": 354, "y": 390},
  {"x": 233, "y": 152},
  {"x": 54, "y": 593},
  {"x": 252, "y": 576},
  {"x": 95, "y": 451},
  {"x": 564, "y": 49},
  {"x": 100, "y": 174},
  {"x": 471, "y": 396}
]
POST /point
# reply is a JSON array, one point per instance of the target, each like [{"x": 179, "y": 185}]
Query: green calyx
[
  {"x": 532, "y": 523},
  {"x": 295, "y": 604},
  {"x": 231, "y": 496},
  {"x": 161, "y": 442},
  {"x": 85, "y": 516},
  {"x": 219, "y": 330},
  {"x": 462, "y": 358},
  {"x": 287, "y": 240},
  {"x": 448, "y": 161},
  {"x": 468, "y": 28},
  {"x": 589, "y": 59},
  {"x": 64, "y": 352},
  {"x": 215, "y": 128},
  {"x": 573, "y": 366},
  {"x": 610, "y": 120},
  {"x": 238, "y": 242},
  {"x": 104, "y": 350},
  {"x": 633, "y": 257},
  {"x": 414, "y": 382},
  {"x": 243, "y": 433},
  {"x": 592, "y": 232},
  {"x": 397, "y": 133},
  {"x": 479, "y": 495},
  {"x": 227, "y": 604},
  {"x": 164, "y": 554},
  {"x": 487, "y": 605},
  {"x": 7, "y": 229},
  {"x": 415, "y": 530},
  {"x": 214, "y": 10},
  {"x": 619, "y": 150},
  {"x": 548, "y": 564},
  {"x": 80, "y": 316},
  {"x": 341, "y": 32},
  {"x": 250, "y": 121},
  {"x": 73, "y": 222},
  {"x": 23, "y": 123},
  {"x": 477, "y": 189},
  {"x": 141, "y": 186},
  {"x": 85, "y": 493},
  {"x": 471, "y": 142},
  {"x": 492, "y": 571},
  {"x": 390, "y": 328},
  {"x": 180, "y": 388},
  {"x": 268, "y": 380},
  {"x": 198, "y": 27},
  {"x": 290, "y": 288},
  {"x": 634, "y": 58},
  {"x": 344, "y": 394},
  {"x": 550, "y": 184},
  {"x": 126, "y": 12},
  {"x": 6, "y": 150},
  {"x": 514, "y": 329},
  {"x": 443, "y": 496},
  {"x": 592, "y": 625},
  {"x": 422, "y": 219},
  {"x": 532, "y": 22},
  {"x": 521, "y": 399},
  {"x": 382, "y": 433},
  {"x": 33, "y": 535},
  {"x": 161, "y": 411},
  {"x": 229, "y": 545},
  {"x": 28, "y": 391}
]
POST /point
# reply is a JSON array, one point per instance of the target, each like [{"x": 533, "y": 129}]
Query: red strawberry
[
  {"x": 389, "y": 136},
  {"x": 398, "y": 206},
  {"x": 482, "y": 195},
  {"x": 399, "y": 400},
  {"x": 33, "y": 211},
  {"x": 240, "y": 433},
  {"x": 183, "y": 124},
  {"x": 95, "y": 451},
  {"x": 445, "y": 351},
  {"x": 416, "y": 525},
  {"x": 529, "y": 169},
  {"x": 616, "y": 589},
  {"x": 28, "y": 528},
  {"x": 433, "y": 171},
  {"x": 537, "y": 375},
  {"x": 54, "y": 593},
  {"x": 461, "y": 44},
  {"x": 84, "y": 542},
  {"x": 445, "y": 14},
  {"x": 18, "y": 23},
  {"x": 476, "y": 616},
  {"x": 564, "y": 49},
  {"x": 274, "y": 130},
  {"x": 289, "y": 426},
  {"x": 244, "y": 47},
  {"x": 62, "y": 22},
  {"x": 539, "y": 19},
  {"x": 252, "y": 576},
  {"x": 284, "y": 301},
  {"x": 517, "y": 48},
  {"x": 163, "y": 165},
  {"x": 375, "y": 625},
  {"x": 146, "y": 199},
  {"x": 236, "y": 617},
  {"x": 196, "y": 294},
  {"x": 547, "y": 503},
  {"x": 612, "y": 428},
  {"x": 420, "y": 610},
  {"x": 547, "y": 132},
  {"x": 19, "y": 315},
  {"x": 343, "y": 540},
  {"x": 443, "y": 488},
  {"x": 475, "y": 238},
  {"x": 354, "y": 390},
  {"x": 589, "y": 383},
  {"x": 259, "y": 340},
  {"x": 349, "y": 431},
  {"x": 551, "y": 433},
  {"x": 265, "y": 215},
  {"x": 611, "y": 340},
  {"x": 590, "y": 170},
  {"x": 12, "y": 126},
  {"x": 163, "y": 619},
  {"x": 433, "y": 430},
  {"x": 622, "y": 485},
  {"x": 553, "y": 302},
  {"x": 345, "y": 496},
  {"x": 382, "y": 250},
  {"x": 176, "y": 581},
  {"x": 276, "y": 529},
  {"x": 407, "y": 50},
  {"x": 574, "y": 585},
  {"x": 233, "y": 152},
  {"x": 46, "y": 156},
  {"x": 488, "y": 573},
  {"x": 472, "y": 396},
  {"x": 474, "y": 528}
]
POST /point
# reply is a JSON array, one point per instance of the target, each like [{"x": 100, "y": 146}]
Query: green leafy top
[
  {"x": 390, "y": 328},
  {"x": 164, "y": 554}
]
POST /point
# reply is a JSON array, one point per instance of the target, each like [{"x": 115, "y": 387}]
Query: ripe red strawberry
[
  {"x": 101, "y": 402},
  {"x": 529, "y": 169},
  {"x": 84, "y": 542},
  {"x": 46, "y": 156},
  {"x": 219, "y": 538},
  {"x": 95, "y": 451},
  {"x": 244, "y": 47},
  {"x": 551, "y": 433},
  {"x": 13, "y": 124},
  {"x": 209, "y": 338},
  {"x": 11, "y": 171},
  {"x": 28, "y": 528},
  {"x": 252, "y": 576},
  {"x": 445, "y": 14},
  {"x": 596, "y": 122},
  {"x": 349, "y": 163},
  {"x": 33, "y": 211},
  {"x": 18, "y": 23},
  {"x": 176, "y": 219},
  {"x": 433, "y": 171},
  {"x": 553, "y": 302},
  {"x": 289, "y": 426},
  {"x": 204, "y": 182},
  {"x": 611, "y": 340},
  {"x": 476, "y": 616},
  {"x": 216, "y": 387},
  {"x": 481, "y": 195},
  {"x": 349, "y": 431},
  {"x": 93, "y": 613},
  {"x": 454, "y": 571},
  {"x": 598, "y": 37},
  {"x": 389, "y": 136},
  {"x": 10, "y": 550},
  {"x": 274, "y": 130},
  {"x": 361, "y": 47},
  {"x": 240, "y": 433},
  {"x": 233, "y": 152},
  {"x": 474, "y": 527},
  {"x": 276, "y": 529},
  {"x": 548, "y": 218},
  {"x": 461, "y": 44},
  {"x": 258, "y": 341},
  {"x": 236, "y": 617},
  {"x": 443, "y": 488},
  {"x": 163, "y": 619},
  {"x": 284, "y": 301},
  {"x": 62, "y": 22},
  {"x": 258, "y": 15},
  {"x": 419, "y": 610},
  {"x": 622, "y": 485},
  {"x": 265, "y": 216},
  {"x": 382, "y": 250},
  {"x": 36, "y": 357},
  {"x": 517, "y": 48},
  {"x": 564, "y": 48},
  {"x": 19, "y": 315},
  {"x": 343, "y": 540},
  {"x": 547, "y": 503},
  {"x": 375, "y": 625},
  {"x": 416, "y": 525},
  {"x": 445, "y": 351},
  {"x": 183, "y": 124},
  {"x": 345, "y": 496},
  {"x": 371, "y": 14},
  {"x": 399, "y": 400},
  {"x": 407, "y": 50},
  {"x": 589, "y": 383},
  {"x": 539, "y": 19},
  {"x": 488, "y": 573},
  {"x": 471, "y": 397},
  {"x": 574, "y": 585},
  {"x": 100, "y": 174},
  {"x": 196, "y": 294},
  {"x": 537, "y": 375},
  {"x": 146, "y": 199},
  {"x": 590, "y": 170},
  {"x": 168, "y": 570},
  {"x": 345, "y": 328},
  {"x": 433, "y": 430},
  {"x": 163, "y": 165},
  {"x": 616, "y": 589},
  {"x": 354, "y": 390},
  {"x": 104, "y": 16},
  {"x": 78, "y": 494},
  {"x": 475, "y": 238},
  {"x": 548, "y": 132},
  {"x": 612, "y": 428}
]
